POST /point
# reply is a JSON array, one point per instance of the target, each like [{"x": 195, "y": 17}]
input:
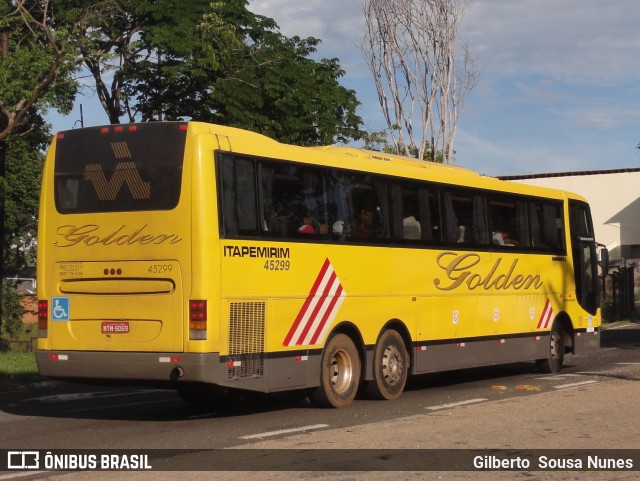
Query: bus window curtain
[
  {"x": 480, "y": 229},
  {"x": 383, "y": 206},
  {"x": 522, "y": 224},
  {"x": 397, "y": 210},
  {"x": 536, "y": 236},
  {"x": 266, "y": 199},
  {"x": 550, "y": 229},
  {"x": 451, "y": 219},
  {"x": 425, "y": 215}
]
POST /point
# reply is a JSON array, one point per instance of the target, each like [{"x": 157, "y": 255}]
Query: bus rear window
[{"x": 133, "y": 167}]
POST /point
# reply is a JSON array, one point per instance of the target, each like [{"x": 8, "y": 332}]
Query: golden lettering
[
  {"x": 459, "y": 270},
  {"x": 89, "y": 235}
]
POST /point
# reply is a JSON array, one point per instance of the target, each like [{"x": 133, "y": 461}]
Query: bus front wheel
[
  {"x": 555, "y": 358},
  {"x": 340, "y": 373},
  {"x": 390, "y": 365}
]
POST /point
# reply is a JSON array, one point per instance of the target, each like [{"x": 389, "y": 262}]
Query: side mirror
[{"x": 604, "y": 259}]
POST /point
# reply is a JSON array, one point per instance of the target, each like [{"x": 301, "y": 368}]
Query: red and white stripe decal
[
  {"x": 547, "y": 316},
  {"x": 319, "y": 309}
]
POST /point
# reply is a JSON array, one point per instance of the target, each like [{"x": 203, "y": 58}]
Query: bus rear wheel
[
  {"x": 390, "y": 367},
  {"x": 555, "y": 359},
  {"x": 340, "y": 373}
]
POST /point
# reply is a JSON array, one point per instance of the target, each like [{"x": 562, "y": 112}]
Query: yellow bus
[{"x": 215, "y": 261}]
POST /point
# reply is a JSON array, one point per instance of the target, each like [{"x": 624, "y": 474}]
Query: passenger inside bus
[{"x": 364, "y": 225}]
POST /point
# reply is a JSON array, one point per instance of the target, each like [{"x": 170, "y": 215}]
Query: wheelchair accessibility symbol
[{"x": 60, "y": 309}]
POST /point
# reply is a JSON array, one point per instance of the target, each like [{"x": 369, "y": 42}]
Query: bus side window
[
  {"x": 369, "y": 213},
  {"x": 405, "y": 213},
  {"x": 238, "y": 197},
  {"x": 547, "y": 230},
  {"x": 245, "y": 181},
  {"x": 553, "y": 225},
  {"x": 506, "y": 229},
  {"x": 415, "y": 213},
  {"x": 295, "y": 201},
  {"x": 429, "y": 202},
  {"x": 466, "y": 217},
  {"x": 229, "y": 214}
]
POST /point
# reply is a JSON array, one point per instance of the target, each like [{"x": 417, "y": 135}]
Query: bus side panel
[
  {"x": 285, "y": 301},
  {"x": 489, "y": 309}
]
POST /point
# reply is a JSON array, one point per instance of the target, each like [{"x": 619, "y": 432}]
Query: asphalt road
[
  {"x": 134, "y": 417},
  {"x": 70, "y": 416}
]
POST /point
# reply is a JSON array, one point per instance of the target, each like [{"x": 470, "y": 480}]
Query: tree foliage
[
  {"x": 25, "y": 160},
  {"x": 12, "y": 309},
  {"x": 36, "y": 62},
  {"x": 169, "y": 59}
]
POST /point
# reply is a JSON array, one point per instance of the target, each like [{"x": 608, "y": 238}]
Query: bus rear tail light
[
  {"x": 197, "y": 320},
  {"x": 43, "y": 318}
]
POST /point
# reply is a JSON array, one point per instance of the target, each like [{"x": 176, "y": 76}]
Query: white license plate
[{"x": 115, "y": 327}]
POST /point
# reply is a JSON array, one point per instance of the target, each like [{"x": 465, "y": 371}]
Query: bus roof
[
  {"x": 385, "y": 162},
  {"x": 247, "y": 142},
  {"x": 396, "y": 159}
]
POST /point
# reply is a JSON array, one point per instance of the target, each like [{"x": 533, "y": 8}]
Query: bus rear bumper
[{"x": 130, "y": 366}]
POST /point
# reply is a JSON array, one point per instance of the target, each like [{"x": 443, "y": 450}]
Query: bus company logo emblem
[
  {"x": 121, "y": 150},
  {"x": 547, "y": 316},
  {"x": 124, "y": 173},
  {"x": 319, "y": 309},
  {"x": 23, "y": 460}
]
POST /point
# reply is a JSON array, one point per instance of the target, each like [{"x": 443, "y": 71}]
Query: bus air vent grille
[{"x": 246, "y": 339}]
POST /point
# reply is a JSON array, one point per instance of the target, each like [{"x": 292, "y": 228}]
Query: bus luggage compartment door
[{"x": 118, "y": 306}]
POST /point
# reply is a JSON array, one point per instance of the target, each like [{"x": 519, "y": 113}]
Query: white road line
[
  {"x": 583, "y": 383},
  {"x": 558, "y": 377},
  {"x": 89, "y": 395},
  {"x": 19, "y": 475},
  {"x": 76, "y": 396},
  {"x": 284, "y": 431},
  {"x": 452, "y": 405}
]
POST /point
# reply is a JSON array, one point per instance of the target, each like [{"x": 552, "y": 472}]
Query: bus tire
[
  {"x": 390, "y": 367},
  {"x": 339, "y": 373},
  {"x": 555, "y": 358}
]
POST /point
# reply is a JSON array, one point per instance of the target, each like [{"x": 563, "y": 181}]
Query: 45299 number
[
  {"x": 160, "y": 268},
  {"x": 277, "y": 265}
]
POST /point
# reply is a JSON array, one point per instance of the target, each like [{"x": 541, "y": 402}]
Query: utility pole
[{"x": 4, "y": 52}]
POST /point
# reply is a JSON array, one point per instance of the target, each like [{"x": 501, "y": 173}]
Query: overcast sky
[{"x": 559, "y": 86}]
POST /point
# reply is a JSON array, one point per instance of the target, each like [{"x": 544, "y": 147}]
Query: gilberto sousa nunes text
[{"x": 546, "y": 462}]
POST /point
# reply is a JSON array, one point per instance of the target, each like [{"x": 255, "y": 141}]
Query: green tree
[
  {"x": 36, "y": 66},
  {"x": 25, "y": 158},
  {"x": 279, "y": 91},
  {"x": 219, "y": 62},
  {"x": 140, "y": 53},
  {"x": 36, "y": 63},
  {"x": 12, "y": 309}
]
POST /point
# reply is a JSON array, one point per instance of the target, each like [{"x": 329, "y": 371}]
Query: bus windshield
[{"x": 119, "y": 168}]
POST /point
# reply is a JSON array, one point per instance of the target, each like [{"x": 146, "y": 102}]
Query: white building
[{"x": 614, "y": 196}]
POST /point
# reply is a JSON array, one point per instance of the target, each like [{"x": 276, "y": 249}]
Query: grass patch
[{"x": 18, "y": 369}]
